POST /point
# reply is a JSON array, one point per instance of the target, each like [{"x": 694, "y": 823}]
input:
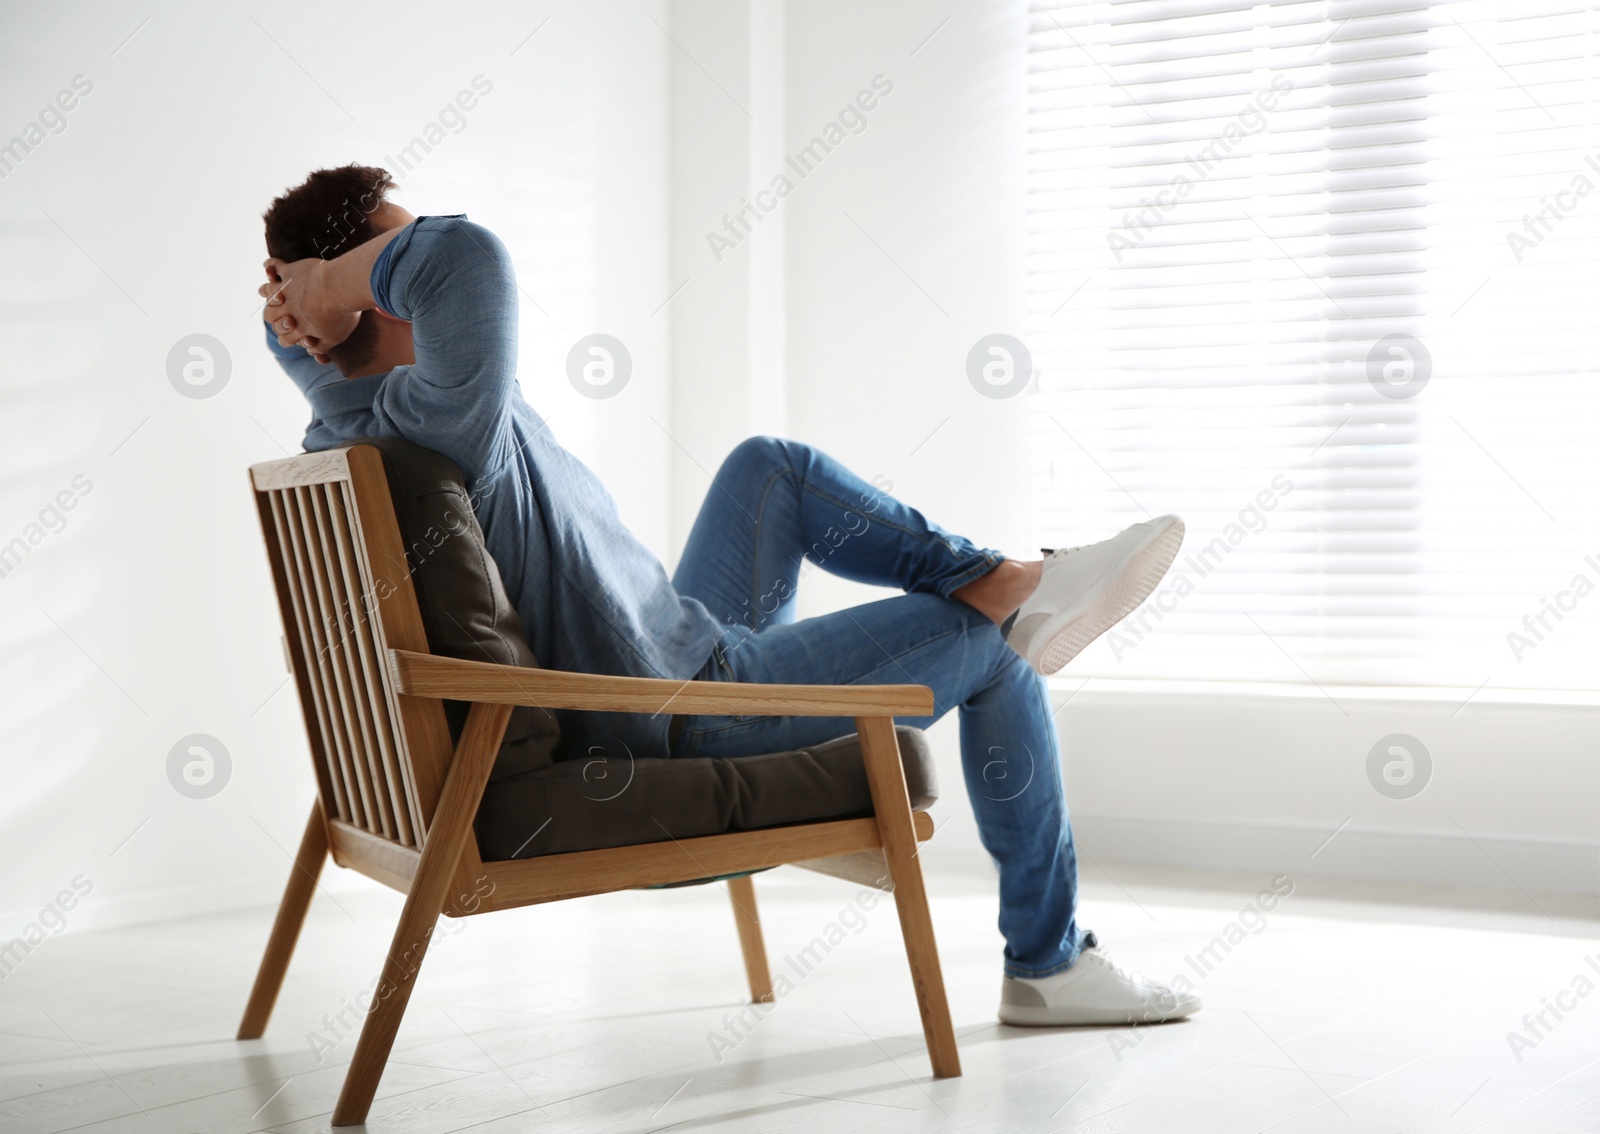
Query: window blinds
[{"x": 1321, "y": 277}]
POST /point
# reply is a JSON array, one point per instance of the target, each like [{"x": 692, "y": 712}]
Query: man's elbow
[{"x": 475, "y": 244}]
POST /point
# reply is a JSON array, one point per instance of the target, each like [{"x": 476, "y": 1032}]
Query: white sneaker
[
  {"x": 1092, "y": 991},
  {"x": 1085, "y": 591}
]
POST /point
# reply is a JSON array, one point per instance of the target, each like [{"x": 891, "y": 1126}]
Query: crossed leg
[{"x": 778, "y": 509}]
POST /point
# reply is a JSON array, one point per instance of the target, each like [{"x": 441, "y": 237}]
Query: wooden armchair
[{"x": 397, "y": 798}]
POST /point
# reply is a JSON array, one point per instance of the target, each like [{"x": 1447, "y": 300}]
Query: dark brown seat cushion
[
  {"x": 542, "y": 800},
  {"x": 589, "y": 804}
]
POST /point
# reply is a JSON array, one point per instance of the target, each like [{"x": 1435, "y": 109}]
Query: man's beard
[{"x": 358, "y": 350}]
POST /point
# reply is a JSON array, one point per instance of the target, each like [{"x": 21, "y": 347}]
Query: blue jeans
[{"x": 777, "y": 509}]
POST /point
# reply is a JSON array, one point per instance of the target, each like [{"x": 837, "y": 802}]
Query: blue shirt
[{"x": 593, "y": 599}]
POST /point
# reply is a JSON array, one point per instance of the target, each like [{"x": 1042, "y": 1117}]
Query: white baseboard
[{"x": 1494, "y": 862}]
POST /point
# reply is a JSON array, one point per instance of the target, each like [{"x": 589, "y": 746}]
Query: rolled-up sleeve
[{"x": 453, "y": 280}]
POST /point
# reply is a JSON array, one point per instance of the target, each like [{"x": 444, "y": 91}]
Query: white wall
[
  {"x": 872, "y": 368},
  {"x": 1278, "y": 780},
  {"x": 150, "y": 616},
  {"x": 714, "y": 127},
  {"x": 906, "y": 246}
]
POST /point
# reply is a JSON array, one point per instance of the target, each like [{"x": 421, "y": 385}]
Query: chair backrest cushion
[{"x": 465, "y": 611}]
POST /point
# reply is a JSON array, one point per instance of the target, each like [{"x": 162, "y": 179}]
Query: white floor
[{"x": 1352, "y": 1009}]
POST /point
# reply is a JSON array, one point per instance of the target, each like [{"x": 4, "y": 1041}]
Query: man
[{"x": 398, "y": 325}]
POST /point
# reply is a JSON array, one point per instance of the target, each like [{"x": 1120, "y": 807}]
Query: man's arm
[
  {"x": 316, "y": 304},
  {"x": 453, "y": 281}
]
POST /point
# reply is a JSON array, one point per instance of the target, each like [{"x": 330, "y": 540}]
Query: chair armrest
[{"x": 429, "y": 675}]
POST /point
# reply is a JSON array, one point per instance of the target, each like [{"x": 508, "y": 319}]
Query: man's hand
[{"x": 303, "y": 309}]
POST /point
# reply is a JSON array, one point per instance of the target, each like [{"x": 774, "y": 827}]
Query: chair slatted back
[{"x": 345, "y": 595}]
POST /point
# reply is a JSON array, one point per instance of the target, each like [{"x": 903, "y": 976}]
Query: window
[{"x": 1322, "y": 278}]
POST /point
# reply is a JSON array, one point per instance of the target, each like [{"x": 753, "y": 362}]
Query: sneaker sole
[
  {"x": 1027, "y": 1017},
  {"x": 1133, "y": 584}
]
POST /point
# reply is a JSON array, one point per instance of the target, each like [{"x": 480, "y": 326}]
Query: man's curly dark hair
[{"x": 328, "y": 214}]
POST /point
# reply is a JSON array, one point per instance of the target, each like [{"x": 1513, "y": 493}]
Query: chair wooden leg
[
  {"x": 430, "y": 886},
  {"x": 891, "y": 804},
  {"x": 748, "y": 919},
  {"x": 286, "y": 928}
]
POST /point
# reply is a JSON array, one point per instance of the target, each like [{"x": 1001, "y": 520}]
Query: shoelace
[
  {"x": 1053, "y": 551},
  {"x": 1135, "y": 980}
]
